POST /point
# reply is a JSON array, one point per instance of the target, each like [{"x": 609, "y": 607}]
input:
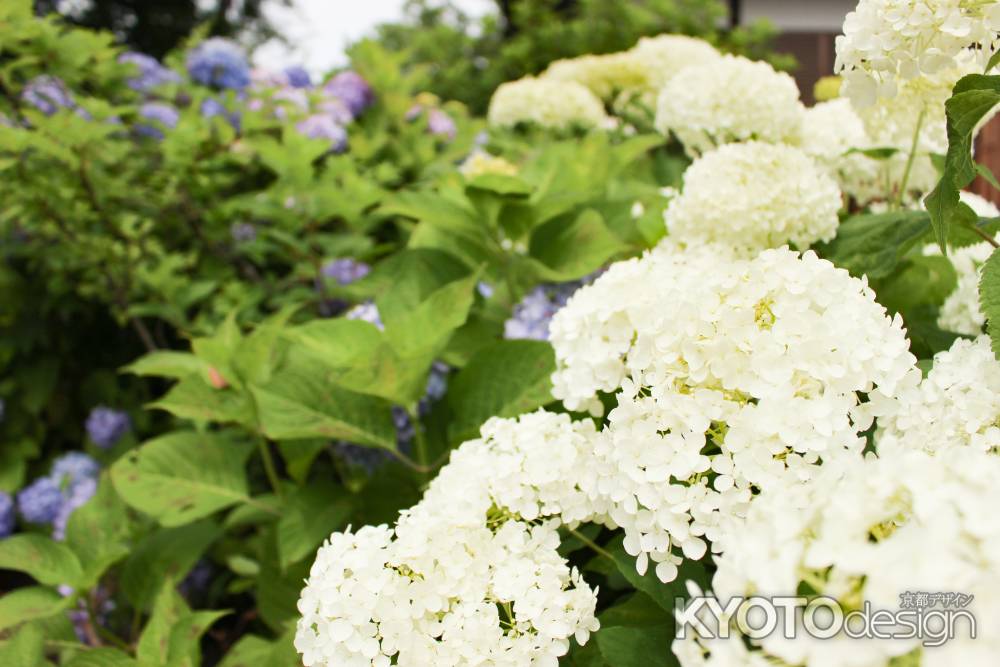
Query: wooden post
[{"x": 988, "y": 153}]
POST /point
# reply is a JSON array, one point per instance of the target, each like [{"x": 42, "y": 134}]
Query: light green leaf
[
  {"x": 505, "y": 379},
  {"x": 184, "y": 476},
  {"x": 98, "y": 531},
  {"x": 29, "y": 604},
  {"x": 46, "y": 560},
  {"x": 102, "y": 657},
  {"x": 24, "y": 648},
  {"x": 193, "y": 398},
  {"x": 163, "y": 363}
]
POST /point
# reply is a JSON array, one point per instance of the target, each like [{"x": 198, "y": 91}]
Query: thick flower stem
[
  {"x": 269, "y": 469},
  {"x": 597, "y": 548},
  {"x": 910, "y": 159}
]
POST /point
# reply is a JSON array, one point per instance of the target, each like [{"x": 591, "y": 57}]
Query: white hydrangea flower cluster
[
  {"x": 546, "y": 102},
  {"x": 603, "y": 75},
  {"x": 956, "y": 405},
  {"x": 471, "y": 574},
  {"x": 729, "y": 100},
  {"x": 960, "y": 311},
  {"x": 731, "y": 374},
  {"x": 868, "y": 530},
  {"x": 886, "y": 41},
  {"x": 754, "y": 196},
  {"x": 830, "y": 131},
  {"x": 663, "y": 56}
]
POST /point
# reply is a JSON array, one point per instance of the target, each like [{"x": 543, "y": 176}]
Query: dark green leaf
[
  {"x": 989, "y": 299},
  {"x": 872, "y": 245},
  {"x": 310, "y": 515},
  {"x": 571, "y": 249},
  {"x": 170, "y": 552}
]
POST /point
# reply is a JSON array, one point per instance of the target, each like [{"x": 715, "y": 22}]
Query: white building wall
[{"x": 799, "y": 15}]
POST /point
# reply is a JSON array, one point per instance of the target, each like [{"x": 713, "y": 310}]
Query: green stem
[
  {"x": 419, "y": 445},
  {"x": 910, "y": 158},
  {"x": 597, "y": 548},
  {"x": 272, "y": 472}
]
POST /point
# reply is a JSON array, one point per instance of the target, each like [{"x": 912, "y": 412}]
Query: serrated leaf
[
  {"x": 505, "y": 379},
  {"x": 48, "y": 561},
  {"x": 989, "y": 299},
  {"x": 184, "y": 476},
  {"x": 308, "y": 518}
]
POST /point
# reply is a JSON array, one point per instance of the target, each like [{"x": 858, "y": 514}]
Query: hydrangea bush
[{"x": 321, "y": 371}]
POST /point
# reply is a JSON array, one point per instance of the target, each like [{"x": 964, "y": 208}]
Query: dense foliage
[{"x": 335, "y": 373}]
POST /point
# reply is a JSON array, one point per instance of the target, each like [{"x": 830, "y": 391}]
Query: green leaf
[
  {"x": 986, "y": 173},
  {"x": 169, "y": 364},
  {"x": 571, "y": 249},
  {"x": 28, "y": 604},
  {"x": 184, "y": 476},
  {"x": 25, "y": 648},
  {"x": 253, "y": 651},
  {"x": 102, "y": 657},
  {"x": 170, "y": 552},
  {"x": 872, "y": 245},
  {"x": 992, "y": 62},
  {"x": 46, "y": 560},
  {"x": 642, "y": 646},
  {"x": 501, "y": 184},
  {"x": 311, "y": 514},
  {"x": 989, "y": 299},
  {"x": 299, "y": 403},
  {"x": 193, "y": 398},
  {"x": 172, "y": 635},
  {"x": 875, "y": 153},
  {"x": 941, "y": 205},
  {"x": 278, "y": 594},
  {"x": 505, "y": 379},
  {"x": 98, "y": 532}
]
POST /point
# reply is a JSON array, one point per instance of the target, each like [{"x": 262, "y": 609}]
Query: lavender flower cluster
[{"x": 106, "y": 426}]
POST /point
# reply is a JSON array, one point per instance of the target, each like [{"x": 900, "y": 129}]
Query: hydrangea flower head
[
  {"x": 73, "y": 468},
  {"x": 219, "y": 63},
  {"x": 298, "y": 77},
  {"x": 151, "y": 73},
  {"x": 604, "y": 75},
  {"x": 160, "y": 116},
  {"x": 211, "y": 107},
  {"x": 352, "y": 89},
  {"x": 106, "y": 426},
  {"x": 324, "y": 126},
  {"x": 548, "y": 103},
  {"x": 888, "y": 41},
  {"x": 40, "y": 501},
  {"x": 754, "y": 196},
  {"x": 7, "y": 518},
  {"x": 731, "y": 99},
  {"x": 48, "y": 94},
  {"x": 440, "y": 124}
]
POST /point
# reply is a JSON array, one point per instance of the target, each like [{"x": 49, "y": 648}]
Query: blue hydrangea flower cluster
[
  {"x": 352, "y": 89},
  {"x": 160, "y": 116},
  {"x": 212, "y": 107},
  {"x": 71, "y": 482},
  {"x": 298, "y": 77},
  {"x": 219, "y": 63},
  {"x": 7, "y": 517},
  {"x": 48, "y": 94},
  {"x": 151, "y": 74},
  {"x": 324, "y": 126},
  {"x": 106, "y": 426},
  {"x": 345, "y": 270},
  {"x": 533, "y": 314}
]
